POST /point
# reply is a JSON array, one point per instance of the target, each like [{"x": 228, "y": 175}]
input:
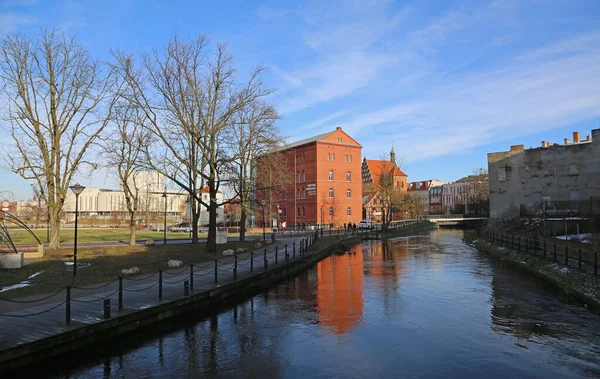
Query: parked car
[
  {"x": 182, "y": 227},
  {"x": 365, "y": 224}
]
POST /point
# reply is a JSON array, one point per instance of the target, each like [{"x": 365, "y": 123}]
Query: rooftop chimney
[
  {"x": 576, "y": 137},
  {"x": 587, "y": 138},
  {"x": 339, "y": 128},
  {"x": 567, "y": 141}
]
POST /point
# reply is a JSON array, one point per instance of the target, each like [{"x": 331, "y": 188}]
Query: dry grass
[{"x": 101, "y": 264}]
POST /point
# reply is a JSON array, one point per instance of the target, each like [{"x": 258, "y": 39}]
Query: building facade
[
  {"x": 419, "y": 192},
  {"x": 521, "y": 178},
  {"x": 436, "y": 205},
  {"x": 204, "y": 215},
  {"x": 372, "y": 169},
  {"x": 326, "y": 186}
]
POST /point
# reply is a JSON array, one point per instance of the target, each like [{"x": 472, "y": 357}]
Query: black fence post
[
  {"x": 159, "y": 284},
  {"x": 287, "y": 256},
  {"x": 294, "y": 250},
  {"x": 235, "y": 267},
  {"x": 579, "y": 258},
  {"x": 216, "y": 270},
  {"x": 554, "y": 252},
  {"x": 120, "y": 293},
  {"x": 567, "y": 256},
  {"x": 68, "y": 306},
  {"x": 252, "y": 261},
  {"x": 266, "y": 262},
  {"x": 106, "y": 309},
  {"x": 186, "y": 288},
  {"x": 276, "y": 254},
  {"x": 191, "y": 277},
  {"x": 544, "y": 249}
]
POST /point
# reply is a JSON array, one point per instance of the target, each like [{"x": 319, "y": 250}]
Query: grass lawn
[
  {"x": 103, "y": 265},
  {"x": 22, "y": 237}
]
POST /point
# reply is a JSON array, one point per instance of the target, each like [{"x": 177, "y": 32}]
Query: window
[
  {"x": 330, "y": 174},
  {"x": 298, "y": 177},
  {"x": 303, "y": 175},
  {"x": 303, "y": 212},
  {"x": 351, "y": 158},
  {"x": 331, "y": 211},
  {"x": 303, "y": 194},
  {"x": 331, "y": 192},
  {"x": 573, "y": 169},
  {"x": 299, "y": 212},
  {"x": 349, "y": 211},
  {"x": 348, "y": 193},
  {"x": 284, "y": 211},
  {"x": 501, "y": 174},
  {"x": 333, "y": 157},
  {"x": 328, "y": 156},
  {"x": 348, "y": 176},
  {"x": 345, "y": 158},
  {"x": 298, "y": 194}
]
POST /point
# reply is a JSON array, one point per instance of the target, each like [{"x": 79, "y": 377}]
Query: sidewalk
[{"x": 22, "y": 321}]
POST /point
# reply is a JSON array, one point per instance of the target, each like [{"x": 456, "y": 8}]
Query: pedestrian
[{"x": 354, "y": 227}]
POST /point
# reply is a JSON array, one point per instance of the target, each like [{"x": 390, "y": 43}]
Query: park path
[{"x": 23, "y": 321}]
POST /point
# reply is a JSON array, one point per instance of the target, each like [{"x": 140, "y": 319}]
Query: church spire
[{"x": 393, "y": 154}]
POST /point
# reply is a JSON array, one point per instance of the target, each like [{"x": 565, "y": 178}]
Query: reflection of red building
[{"x": 340, "y": 292}]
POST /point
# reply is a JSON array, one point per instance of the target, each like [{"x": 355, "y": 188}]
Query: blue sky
[{"x": 447, "y": 82}]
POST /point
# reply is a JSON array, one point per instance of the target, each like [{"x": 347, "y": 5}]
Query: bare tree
[
  {"x": 479, "y": 196},
  {"x": 55, "y": 92},
  {"x": 190, "y": 100},
  {"x": 254, "y": 136},
  {"x": 389, "y": 189},
  {"x": 123, "y": 150}
]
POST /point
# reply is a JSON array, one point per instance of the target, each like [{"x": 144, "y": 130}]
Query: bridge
[{"x": 453, "y": 219}]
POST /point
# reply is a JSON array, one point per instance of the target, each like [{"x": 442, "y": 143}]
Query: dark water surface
[{"x": 423, "y": 306}]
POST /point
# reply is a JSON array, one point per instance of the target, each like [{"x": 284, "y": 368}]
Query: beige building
[
  {"x": 419, "y": 191},
  {"x": 522, "y": 179}
]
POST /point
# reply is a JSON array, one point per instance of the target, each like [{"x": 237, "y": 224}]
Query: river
[{"x": 422, "y": 306}]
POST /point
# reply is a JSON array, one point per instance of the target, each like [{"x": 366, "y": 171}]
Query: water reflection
[{"x": 425, "y": 306}]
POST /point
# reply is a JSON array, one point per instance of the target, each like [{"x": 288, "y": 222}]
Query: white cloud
[
  {"x": 11, "y": 22},
  {"x": 527, "y": 95}
]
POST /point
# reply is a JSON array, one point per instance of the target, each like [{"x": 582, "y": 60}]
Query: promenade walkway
[{"x": 27, "y": 320}]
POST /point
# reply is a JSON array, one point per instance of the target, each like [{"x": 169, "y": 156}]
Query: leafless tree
[
  {"x": 55, "y": 92},
  {"x": 190, "y": 100},
  {"x": 254, "y": 136},
  {"x": 124, "y": 154},
  {"x": 389, "y": 189},
  {"x": 479, "y": 197}
]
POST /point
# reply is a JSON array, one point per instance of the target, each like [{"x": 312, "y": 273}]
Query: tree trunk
[
  {"x": 243, "y": 224},
  {"x": 54, "y": 230},
  {"x": 195, "y": 219},
  {"x": 132, "y": 230},
  {"x": 211, "y": 242}
]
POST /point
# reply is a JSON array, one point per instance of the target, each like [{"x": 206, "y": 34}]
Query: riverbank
[{"x": 580, "y": 284}]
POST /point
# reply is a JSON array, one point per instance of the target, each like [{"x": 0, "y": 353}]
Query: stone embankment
[{"x": 581, "y": 284}]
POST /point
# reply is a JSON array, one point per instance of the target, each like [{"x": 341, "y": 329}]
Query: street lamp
[
  {"x": 164, "y": 195},
  {"x": 262, "y": 202},
  {"x": 77, "y": 190}
]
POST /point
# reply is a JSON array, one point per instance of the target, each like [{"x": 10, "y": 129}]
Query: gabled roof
[
  {"x": 376, "y": 166},
  {"x": 316, "y": 138},
  {"x": 367, "y": 197}
]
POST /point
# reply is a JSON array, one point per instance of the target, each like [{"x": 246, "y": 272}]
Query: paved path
[{"x": 138, "y": 293}]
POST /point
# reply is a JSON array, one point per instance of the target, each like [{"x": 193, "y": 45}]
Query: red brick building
[
  {"x": 372, "y": 169},
  {"x": 326, "y": 188}
]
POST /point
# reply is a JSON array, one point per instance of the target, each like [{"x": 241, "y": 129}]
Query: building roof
[
  {"x": 424, "y": 185},
  {"x": 376, "y": 166},
  {"x": 367, "y": 197},
  {"x": 316, "y": 138}
]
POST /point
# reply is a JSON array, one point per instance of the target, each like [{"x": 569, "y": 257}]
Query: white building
[{"x": 203, "y": 220}]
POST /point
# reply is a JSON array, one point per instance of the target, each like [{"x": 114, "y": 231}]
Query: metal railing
[
  {"x": 217, "y": 268},
  {"x": 563, "y": 254}
]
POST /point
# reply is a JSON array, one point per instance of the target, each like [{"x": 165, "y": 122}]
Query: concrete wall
[{"x": 528, "y": 176}]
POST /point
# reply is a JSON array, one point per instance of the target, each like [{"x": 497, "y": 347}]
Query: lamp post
[
  {"x": 77, "y": 190},
  {"x": 262, "y": 202},
  {"x": 164, "y": 195}
]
